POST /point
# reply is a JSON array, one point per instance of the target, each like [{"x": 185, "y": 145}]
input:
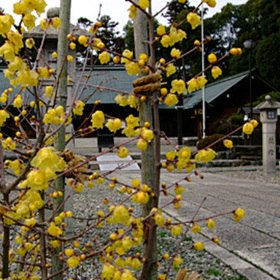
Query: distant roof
[
  {"x": 213, "y": 91},
  {"x": 113, "y": 78},
  {"x": 37, "y": 32}
]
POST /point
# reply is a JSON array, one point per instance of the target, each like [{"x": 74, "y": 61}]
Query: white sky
[{"x": 117, "y": 9}]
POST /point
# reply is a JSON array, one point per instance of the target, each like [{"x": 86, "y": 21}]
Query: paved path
[{"x": 252, "y": 247}]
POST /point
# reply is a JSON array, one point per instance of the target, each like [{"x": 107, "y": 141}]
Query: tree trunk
[
  {"x": 148, "y": 157},
  {"x": 65, "y": 7}
]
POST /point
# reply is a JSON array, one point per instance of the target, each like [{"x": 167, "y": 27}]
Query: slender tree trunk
[
  {"x": 65, "y": 7},
  {"x": 6, "y": 245},
  {"x": 148, "y": 157}
]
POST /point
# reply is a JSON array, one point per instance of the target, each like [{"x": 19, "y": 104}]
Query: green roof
[{"x": 213, "y": 91}]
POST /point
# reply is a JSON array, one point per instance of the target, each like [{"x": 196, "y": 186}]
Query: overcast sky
[{"x": 117, "y": 9}]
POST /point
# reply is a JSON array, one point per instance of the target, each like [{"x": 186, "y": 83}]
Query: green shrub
[{"x": 209, "y": 140}]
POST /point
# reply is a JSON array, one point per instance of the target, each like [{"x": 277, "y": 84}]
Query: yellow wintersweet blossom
[
  {"x": 175, "y": 53},
  {"x": 170, "y": 69},
  {"x": 198, "y": 246},
  {"x": 196, "y": 83},
  {"x": 29, "y": 21},
  {"x": 104, "y": 57},
  {"x": 98, "y": 119},
  {"x": 195, "y": 228},
  {"x": 210, "y": 223},
  {"x": 132, "y": 68},
  {"x": 123, "y": 152},
  {"x": 239, "y": 214},
  {"x": 6, "y": 22},
  {"x": 108, "y": 271},
  {"x": 114, "y": 125},
  {"x": 212, "y": 58},
  {"x": 248, "y": 128},
  {"x": 121, "y": 100},
  {"x": 3, "y": 117},
  {"x": 73, "y": 262},
  {"x": 48, "y": 91},
  {"x": 216, "y": 72},
  {"x": 132, "y": 12},
  {"x": 193, "y": 19},
  {"x": 36, "y": 180},
  {"x": 127, "y": 55},
  {"x": 205, "y": 155},
  {"x": 254, "y": 123},
  {"x": 8, "y": 50},
  {"x": 228, "y": 143},
  {"x": 56, "y": 22},
  {"x": 29, "y": 43},
  {"x": 120, "y": 215},
  {"x": 166, "y": 41},
  {"x": 177, "y": 35},
  {"x": 178, "y": 86},
  {"x": 79, "y": 108},
  {"x": 53, "y": 230},
  {"x": 170, "y": 99},
  {"x": 210, "y": 3},
  {"x": 144, "y": 4},
  {"x": 161, "y": 30},
  {"x": 16, "y": 39},
  {"x": 177, "y": 261}
]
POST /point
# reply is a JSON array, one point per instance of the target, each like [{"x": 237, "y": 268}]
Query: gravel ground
[{"x": 207, "y": 265}]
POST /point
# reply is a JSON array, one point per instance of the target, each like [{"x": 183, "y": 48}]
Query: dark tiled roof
[{"x": 213, "y": 90}]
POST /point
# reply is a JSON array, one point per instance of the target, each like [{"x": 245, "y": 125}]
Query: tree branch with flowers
[{"x": 34, "y": 182}]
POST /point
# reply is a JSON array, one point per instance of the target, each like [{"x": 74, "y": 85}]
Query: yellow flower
[
  {"x": 3, "y": 117},
  {"x": 121, "y": 100},
  {"x": 43, "y": 72},
  {"x": 147, "y": 134},
  {"x": 104, "y": 57},
  {"x": 6, "y": 22},
  {"x": 55, "y": 243},
  {"x": 254, "y": 123},
  {"x": 177, "y": 261},
  {"x": 216, "y": 72},
  {"x": 198, "y": 246},
  {"x": 126, "y": 54},
  {"x": 178, "y": 86},
  {"x": 79, "y": 108},
  {"x": 73, "y": 262},
  {"x": 29, "y": 21},
  {"x": 132, "y": 68},
  {"x": 36, "y": 180},
  {"x": 48, "y": 91},
  {"x": 56, "y": 22},
  {"x": 8, "y": 50},
  {"x": 239, "y": 214},
  {"x": 205, "y": 155},
  {"x": 53, "y": 230},
  {"x": 170, "y": 69},
  {"x": 142, "y": 144},
  {"x": 132, "y": 12},
  {"x": 167, "y": 41},
  {"x": 201, "y": 81},
  {"x": 211, "y": 3},
  {"x": 235, "y": 51},
  {"x": 29, "y": 43},
  {"x": 210, "y": 223},
  {"x": 170, "y": 99},
  {"x": 120, "y": 215},
  {"x": 98, "y": 119},
  {"x": 196, "y": 228},
  {"x": 212, "y": 58},
  {"x": 144, "y": 4},
  {"x": 123, "y": 152},
  {"x": 175, "y": 53},
  {"x": 193, "y": 19},
  {"x": 20, "y": 8},
  {"x": 114, "y": 125},
  {"x": 161, "y": 30},
  {"x": 248, "y": 128},
  {"x": 228, "y": 144}
]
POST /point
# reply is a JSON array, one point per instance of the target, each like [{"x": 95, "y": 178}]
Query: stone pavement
[{"x": 252, "y": 247}]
